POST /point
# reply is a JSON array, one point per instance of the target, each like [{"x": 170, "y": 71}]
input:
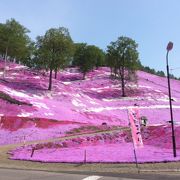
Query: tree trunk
[
  {"x": 84, "y": 74},
  {"x": 115, "y": 72},
  {"x": 55, "y": 75},
  {"x": 122, "y": 79},
  {"x": 123, "y": 86},
  {"x": 111, "y": 71},
  {"x": 50, "y": 80},
  {"x": 4, "y": 74}
]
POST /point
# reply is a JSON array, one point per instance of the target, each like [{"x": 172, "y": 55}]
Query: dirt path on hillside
[{"x": 66, "y": 137}]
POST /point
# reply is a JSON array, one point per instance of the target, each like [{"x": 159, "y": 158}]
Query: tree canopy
[
  {"x": 14, "y": 40},
  {"x": 86, "y": 57},
  {"x": 54, "y": 50},
  {"x": 122, "y": 57}
]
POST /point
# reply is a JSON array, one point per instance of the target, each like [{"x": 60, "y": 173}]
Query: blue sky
[{"x": 151, "y": 23}]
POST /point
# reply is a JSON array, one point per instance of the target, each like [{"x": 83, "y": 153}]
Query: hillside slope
[
  {"x": 94, "y": 100},
  {"x": 85, "y": 115}
]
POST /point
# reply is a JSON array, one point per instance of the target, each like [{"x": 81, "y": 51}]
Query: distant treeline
[{"x": 158, "y": 73}]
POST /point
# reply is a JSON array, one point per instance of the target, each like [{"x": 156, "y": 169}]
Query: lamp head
[{"x": 169, "y": 46}]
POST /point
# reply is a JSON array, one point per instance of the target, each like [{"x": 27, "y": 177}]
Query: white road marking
[
  {"x": 92, "y": 178},
  {"x": 129, "y": 179}
]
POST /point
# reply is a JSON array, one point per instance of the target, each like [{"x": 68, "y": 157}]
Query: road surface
[{"x": 13, "y": 174}]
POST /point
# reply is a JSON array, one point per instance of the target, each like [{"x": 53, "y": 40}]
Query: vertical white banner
[{"x": 134, "y": 120}]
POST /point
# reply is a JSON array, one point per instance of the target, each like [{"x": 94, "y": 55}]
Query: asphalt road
[{"x": 13, "y": 174}]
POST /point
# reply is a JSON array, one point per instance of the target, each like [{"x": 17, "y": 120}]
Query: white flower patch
[
  {"x": 88, "y": 98},
  {"x": 149, "y": 98},
  {"x": 107, "y": 73},
  {"x": 19, "y": 67},
  {"x": 66, "y": 83},
  {"x": 37, "y": 97},
  {"x": 48, "y": 114},
  {"x": 67, "y": 73},
  {"x": 95, "y": 89},
  {"x": 36, "y": 77},
  {"x": 93, "y": 102},
  {"x": 16, "y": 93},
  {"x": 100, "y": 75},
  {"x": 158, "y": 91},
  {"x": 164, "y": 99},
  {"x": 123, "y": 99},
  {"x": 10, "y": 77},
  {"x": 100, "y": 109},
  {"x": 115, "y": 86},
  {"x": 78, "y": 103},
  {"x": 133, "y": 85},
  {"x": 110, "y": 100},
  {"x": 99, "y": 91},
  {"x": 65, "y": 93},
  {"x": 49, "y": 95},
  {"x": 156, "y": 124},
  {"x": 101, "y": 88},
  {"x": 142, "y": 86},
  {"x": 40, "y": 105},
  {"x": 76, "y": 95},
  {"x": 25, "y": 114}
]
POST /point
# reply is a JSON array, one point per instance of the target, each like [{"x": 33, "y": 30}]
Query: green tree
[
  {"x": 29, "y": 55},
  {"x": 111, "y": 60},
  {"x": 99, "y": 56},
  {"x": 54, "y": 50},
  {"x": 86, "y": 57},
  {"x": 14, "y": 40},
  {"x": 124, "y": 56}
]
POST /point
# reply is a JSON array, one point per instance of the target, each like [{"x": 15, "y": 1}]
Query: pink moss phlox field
[
  {"x": 97, "y": 153},
  {"x": 95, "y": 100},
  {"x": 116, "y": 147},
  {"x": 73, "y": 103},
  {"x": 22, "y": 129}
]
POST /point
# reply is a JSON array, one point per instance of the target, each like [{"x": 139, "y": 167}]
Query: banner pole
[{"x": 134, "y": 149}]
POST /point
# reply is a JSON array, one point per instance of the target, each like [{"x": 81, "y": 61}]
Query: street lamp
[{"x": 169, "y": 47}]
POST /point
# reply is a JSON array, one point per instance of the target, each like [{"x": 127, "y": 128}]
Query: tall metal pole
[{"x": 170, "y": 104}]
